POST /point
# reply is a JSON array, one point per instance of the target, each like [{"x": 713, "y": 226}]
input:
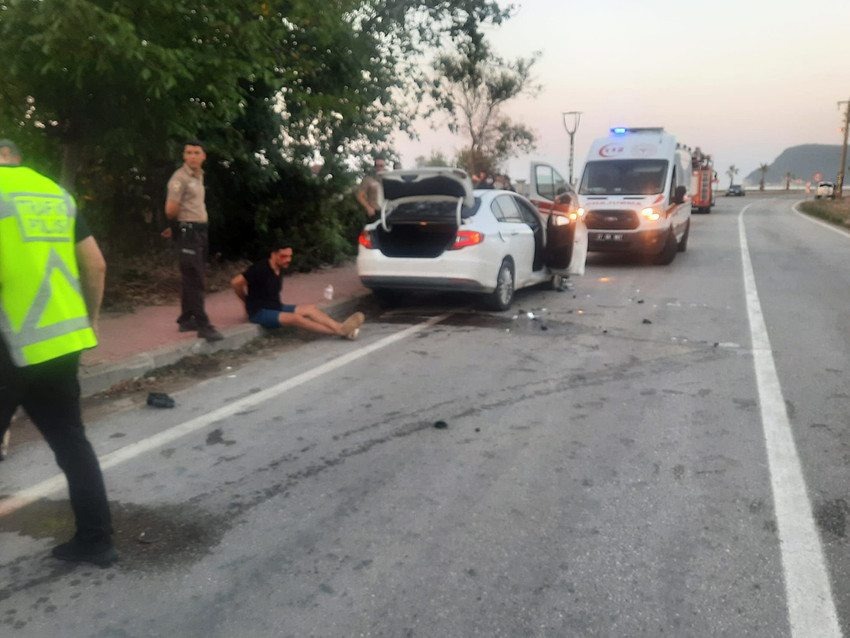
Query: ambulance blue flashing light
[{"x": 623, "y": 130}]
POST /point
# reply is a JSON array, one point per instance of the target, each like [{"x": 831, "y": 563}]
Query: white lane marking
[
  {"x": 811, "y": 609},
  {"x": 55, "y": 483},
  {"x": 819, "y": 222}
]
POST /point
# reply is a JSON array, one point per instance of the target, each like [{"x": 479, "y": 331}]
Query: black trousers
[
  {"x": 193, "y": 245},
  {"x": 50, "y": 394}
]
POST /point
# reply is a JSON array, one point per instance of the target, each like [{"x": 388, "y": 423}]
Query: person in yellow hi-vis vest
[{"x": 51, "y": 285}]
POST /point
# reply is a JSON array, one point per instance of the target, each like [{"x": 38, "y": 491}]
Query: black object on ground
[{"x": 160, "y": 400}]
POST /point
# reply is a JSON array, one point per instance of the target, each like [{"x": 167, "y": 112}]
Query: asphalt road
[{"x": 661, "y": 451}]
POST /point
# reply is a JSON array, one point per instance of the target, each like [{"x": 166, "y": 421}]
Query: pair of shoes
[
  {"x": 102, "y": 554},
  {"x": 353, "y": 334},
  {"x": 190, "y": 325},
  {"x": 351, "y": 324},
  {"x": 209, "y": 333}
]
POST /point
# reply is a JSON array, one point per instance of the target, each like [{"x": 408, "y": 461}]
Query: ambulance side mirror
[{"x": 679, "y": 197}]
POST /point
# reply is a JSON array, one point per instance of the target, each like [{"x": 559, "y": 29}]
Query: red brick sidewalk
[{"x": 129, "y": 341}]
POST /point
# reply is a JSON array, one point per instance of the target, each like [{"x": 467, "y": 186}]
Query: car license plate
[{"x": 609, "y": 236}]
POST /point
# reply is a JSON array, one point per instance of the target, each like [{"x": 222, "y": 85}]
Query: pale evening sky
[{"x": 741, "y": 79}]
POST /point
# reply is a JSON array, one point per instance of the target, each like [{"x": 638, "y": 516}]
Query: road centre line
[
  {"x": 55, "y": 483},
  {"x": 811, "y": 609}
]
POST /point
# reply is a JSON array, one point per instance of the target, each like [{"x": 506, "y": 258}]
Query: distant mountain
[{"x": 802, "y": 162}]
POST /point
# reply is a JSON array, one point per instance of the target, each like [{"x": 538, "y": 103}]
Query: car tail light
[
  {"x": 365, "y": 240},
  {"x": 466, "y": 238}
]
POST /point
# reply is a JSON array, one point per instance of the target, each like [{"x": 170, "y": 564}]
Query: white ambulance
[{"x": 634, "y": 192}]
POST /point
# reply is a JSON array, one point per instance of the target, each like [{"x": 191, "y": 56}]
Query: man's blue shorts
[{"x": 268, "y": 318}]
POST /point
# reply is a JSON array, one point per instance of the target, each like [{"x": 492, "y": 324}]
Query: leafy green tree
[
  {"x": 471, "y": 86},
  {"x": 102, "y": 94}
]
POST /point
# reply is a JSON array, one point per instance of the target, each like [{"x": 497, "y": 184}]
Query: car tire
[
  {"x": 502, "y": 297},
  {"x": 682, "y": 246},
  {"x": 668, "y": 253}
]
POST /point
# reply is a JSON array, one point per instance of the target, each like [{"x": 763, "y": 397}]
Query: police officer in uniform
[
  {"x": 51, "y": 286},
  {"x": 186, "y": 203}
]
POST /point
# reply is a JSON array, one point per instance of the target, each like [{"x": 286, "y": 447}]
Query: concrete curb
[{"x": 99, "y": 377}]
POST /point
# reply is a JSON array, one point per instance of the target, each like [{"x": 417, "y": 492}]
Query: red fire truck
[{"x": 703, "y": 181}]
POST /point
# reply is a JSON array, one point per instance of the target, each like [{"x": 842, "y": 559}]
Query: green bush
[{"x": 833, "y": 211}]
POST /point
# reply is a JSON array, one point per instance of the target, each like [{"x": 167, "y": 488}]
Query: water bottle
[{"x": 329, "y": 292}]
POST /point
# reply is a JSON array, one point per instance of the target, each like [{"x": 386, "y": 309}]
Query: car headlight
[{"x": 651, "y": 214}]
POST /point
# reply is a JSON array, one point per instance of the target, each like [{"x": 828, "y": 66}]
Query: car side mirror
[{"x": 679, "y": 197}]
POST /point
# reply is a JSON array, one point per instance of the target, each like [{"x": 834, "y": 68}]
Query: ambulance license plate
[{"x": 609, "y": 236}]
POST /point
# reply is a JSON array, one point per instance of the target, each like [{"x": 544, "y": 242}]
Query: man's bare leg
[
  {"x": 311, "y": 312},
  {"x": 344, "y": 329},
  {"x": 305, "y": 322}
]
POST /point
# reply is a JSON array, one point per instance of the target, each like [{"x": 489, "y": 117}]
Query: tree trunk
[{"x": 71, "y": 153}]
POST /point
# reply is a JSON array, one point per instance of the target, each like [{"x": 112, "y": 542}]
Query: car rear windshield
[
  {"x": 624, "y": 177},
  {"x": 432, "y": 211}
]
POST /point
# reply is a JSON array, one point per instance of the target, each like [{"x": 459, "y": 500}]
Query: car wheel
[
  {"x": 668, "y": 253},
  {"x": 683, "y": 242},
  {"x": 503, "y": 295}
]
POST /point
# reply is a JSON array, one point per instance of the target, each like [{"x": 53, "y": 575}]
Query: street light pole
[
  {"x": 575, "y": 116},
  {"x": 840, "y": 185}
]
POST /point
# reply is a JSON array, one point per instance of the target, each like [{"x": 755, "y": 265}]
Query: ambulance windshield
[{"x": 624, "y": 177}]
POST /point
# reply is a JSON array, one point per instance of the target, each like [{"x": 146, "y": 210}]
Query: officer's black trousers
[
  {"x": 192, "y": 244},
  {"x": 50, "y": 394}
]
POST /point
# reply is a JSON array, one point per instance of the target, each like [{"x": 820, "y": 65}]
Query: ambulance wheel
[{"x": 668, "y": 253}]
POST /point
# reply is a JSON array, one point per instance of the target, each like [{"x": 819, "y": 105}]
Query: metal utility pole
[
  {"x": 840, "y": 183},
  {"x": 575, "y": 116}
]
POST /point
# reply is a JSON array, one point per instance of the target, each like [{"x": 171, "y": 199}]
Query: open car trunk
[
  {"x": 421, "y": 211},
  {"x": 417, "y": 229}
]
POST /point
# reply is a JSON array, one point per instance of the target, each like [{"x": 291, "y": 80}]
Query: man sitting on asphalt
[{"x": 260, "y": 287}]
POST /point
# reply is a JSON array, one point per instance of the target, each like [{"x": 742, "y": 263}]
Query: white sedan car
[
  {"x": 825, "y": 189},
  {"x": 436, "y": 233}
]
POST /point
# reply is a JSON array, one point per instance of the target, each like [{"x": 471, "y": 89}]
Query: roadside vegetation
[
  {"x": 834, "y": 211},
  {"x": 291, "y": 97}
]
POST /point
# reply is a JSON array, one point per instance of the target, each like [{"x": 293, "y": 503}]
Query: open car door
[{"x": 558, "y": 203}]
